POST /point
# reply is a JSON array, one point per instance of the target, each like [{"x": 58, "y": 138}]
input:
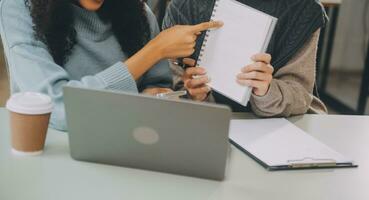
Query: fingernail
[{"x": 221, "y": 23}]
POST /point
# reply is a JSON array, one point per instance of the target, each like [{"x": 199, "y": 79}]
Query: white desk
[{"x": 55, "y": 175}]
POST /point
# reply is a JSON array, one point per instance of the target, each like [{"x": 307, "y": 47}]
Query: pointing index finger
[{"x": 207, "y": 25}]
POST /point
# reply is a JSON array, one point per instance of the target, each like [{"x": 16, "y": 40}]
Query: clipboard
[{"x": 277, "y": 144}]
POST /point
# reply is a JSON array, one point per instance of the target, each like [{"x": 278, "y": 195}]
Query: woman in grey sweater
[
  {"x": 112, "y": 44},
  {"x": 283, "y": 79}
]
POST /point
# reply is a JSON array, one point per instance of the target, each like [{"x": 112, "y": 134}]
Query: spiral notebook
[{"x": 225, "y": 51}]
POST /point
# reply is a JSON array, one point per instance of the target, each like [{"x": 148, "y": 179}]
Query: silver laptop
[{"x": 137, "y": 131}]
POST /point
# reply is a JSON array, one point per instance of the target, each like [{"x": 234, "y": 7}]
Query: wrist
[
  {"x": 143, "y": 60},
  {"x": 154, "y": 50},
  {"x": 263, "y": 94}
]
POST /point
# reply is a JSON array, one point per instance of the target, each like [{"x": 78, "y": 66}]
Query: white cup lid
[{"x": 30, "y": 103}]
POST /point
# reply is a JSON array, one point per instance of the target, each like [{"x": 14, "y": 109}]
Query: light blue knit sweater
[{"x": 96, "y": 60}]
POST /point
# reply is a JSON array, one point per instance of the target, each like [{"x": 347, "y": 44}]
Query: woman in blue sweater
[{"x": 112, "y": 44}]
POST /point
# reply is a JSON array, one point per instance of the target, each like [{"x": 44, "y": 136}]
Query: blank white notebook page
[
  {"x": 278, "y": 142},
  {"x": 230, "y": 48}
]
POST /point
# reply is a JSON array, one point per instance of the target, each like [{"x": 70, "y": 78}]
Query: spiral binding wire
[{"x": 213, "y": 15}]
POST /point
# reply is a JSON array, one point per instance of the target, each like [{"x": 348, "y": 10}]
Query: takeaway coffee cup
[{"x": 29, "y": 120}]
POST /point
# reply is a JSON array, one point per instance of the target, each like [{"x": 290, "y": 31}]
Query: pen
[
  {"x": 180, "y": 63},
  {"x": 172, "y": 95}
]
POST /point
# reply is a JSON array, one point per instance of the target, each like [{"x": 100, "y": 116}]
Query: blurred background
[{"x": 343, "y": 63}]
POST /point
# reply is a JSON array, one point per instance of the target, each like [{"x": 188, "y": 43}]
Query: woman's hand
[
  {"x": 179, "y": 41},
  {"x": 176, "y": 42},
  {"x": 257, "y": 75},
  {"x": 196, "y": 87},
  {"x": 156, "y": 91}
]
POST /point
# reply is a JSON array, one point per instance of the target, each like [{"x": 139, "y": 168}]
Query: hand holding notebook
[{"x": 226, "y": 51}]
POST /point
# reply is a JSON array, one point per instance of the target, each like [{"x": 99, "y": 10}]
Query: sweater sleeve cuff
[
  {"x": 117, "y": 77},
  {"x": 268, "y": 97}
]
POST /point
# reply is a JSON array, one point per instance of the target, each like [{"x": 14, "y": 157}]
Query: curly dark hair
[{"x": 54, "y": 25}]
